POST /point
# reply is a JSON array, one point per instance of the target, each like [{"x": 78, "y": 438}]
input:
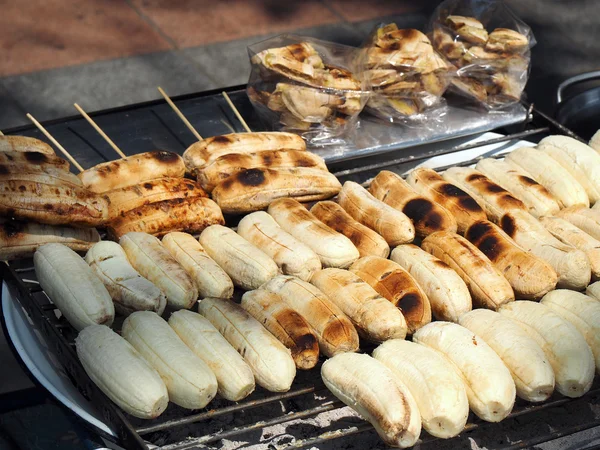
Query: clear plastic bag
[
  {"x": 306, "y": 86},
  {"x": 488, "y": 45},
  {"x": 407, "y": 76}
]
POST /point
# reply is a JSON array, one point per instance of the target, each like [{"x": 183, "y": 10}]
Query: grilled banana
[
  {"x": 210, "y": 279},
  {"x": 534, "y": 196},
  {"x": 427, "y": 216},
  {"x": 570, "y": 356},
  {"x": 372, "y": 389},
  {"x": 580, "y": 160},
  {"x": 490, "y": 388},
  {"x": 226, "y": 165},
  {"x": 334, "y": 249},
  {"x": 125, "y": 199},
  {"x": 396, "y": 285},
  {"x": 524, "y": 358},
  {"x": 434, "y": 384},
  {"x": 571, "y": 265},
  {"x": 461, "y": 205},
  {"x": 31, "y": 160},
  {"x": 129, "y": 290},
  {"x": 270, "y": 361},
  {"x": 152, "y": 260},
  {"x": 190, "y": 382},
  {"x": 569, "y": 234},
  {"x": 394, "y": 226},
  {"x": 334, "y": 330},
  {"x": 542, "y": 168},
  {"x": 529, "y": 276},
  {"x": 21, "y": 239},
  {"x": 292, "y": 256},
  {"x": 375, "y": 318},
  {"x": 367, "y": 241},
  {"x": 488, "y": 287},
  {"x": 248, "y": 266},
  {"x": 286, "y": 324},
  {"x": 235, "y": 379},
  {"x": 593, "y": 290},
  {"x": 73, "y": 286},
  {"x": 135, "y": 169},
  {"x": 448, "y": 294},
  {"x": 24, "y": 144},
  {"x": 587, "y": 220},
  {"x": 494, "y": 200},
  {"x": 595, "y": 141},
  {"x": 202, "y": 152},
  {"x": 121, "y": 372},
  {"x": 582, "y": 312},
  {"x": 50, "y": 175}
]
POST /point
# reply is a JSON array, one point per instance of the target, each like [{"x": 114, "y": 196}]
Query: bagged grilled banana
[
  {"x": 427, "y": 216},
  {"x": 490, "y": 388},
  {"x": 224, "y": 166},
  {"x": 334, "y": 330},
  {"x": 292, "y": 256},
  {"x": 394, "y": 226},
  {"x": 494, "y": 200},
  {"x": 448, "y": 294},
  {"x": 434, "y": 384},
  {"x": 372, "y": 390},
  {"x": 569, "y": 234},
  {"x": 582, "y": 312},
  {"x": 529, "y": 276},
  {"x": 570, "y": 356},
  {"x": 367, "y": 241},
  {"x": 270, "y": 361},
  {"x": 571, "y": 265},
  {"x": 375, "y": 318},
  {"x": 202, "y": 152},
  {"x": 210, "y": 279},
  {"x": 587, "y": 220},
  {"x": 524, "y": 358},
  {"x": 131, "y": 197},
  {"x": 333, "y": 248},
  {"x": 134, "y": 169},
  {"x": 121, "y": 372},
  {"x": 396, "y": 285},
  {"x": 24, "y": 144},
  {"x": 152, "y": 260},
  {"x": 488, "y": 287},
  {"x": 32, "y": 161},
  {"x": 461, "y": 205},
  {"x": 534, "y": 196},
  {"x": 542, "y": 168},
  {"x": 21, "y": 239},
  {"x": 235, "y": 379},
  {"x": 51, "y": 203},
  {"x": 129, "y": 290},
  {"x": 580, "y": 160},
  {"x": 73, "y": 286},
  {"x": 191, "y": 215},
  {"x": 286, "y": 324},
  {"x": 247, "y": 266},
  {"x": 190, "y": 382},
  {"x": 254, "y": 189}
]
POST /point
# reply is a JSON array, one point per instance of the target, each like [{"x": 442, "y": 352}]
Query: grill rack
[{"x": 59, "y": 336}]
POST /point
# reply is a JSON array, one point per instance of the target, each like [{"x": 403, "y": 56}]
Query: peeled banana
[{"x": 585, "y": 219}]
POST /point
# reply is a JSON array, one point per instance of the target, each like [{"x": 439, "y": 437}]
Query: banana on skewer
[
  {"x": 24, "y": 144},
  {"x": 129, "y": 290},
  {"x": 31, "y": 160},
  {"x": 49, "y": 175},
  {"x": 73, "y": 286}
]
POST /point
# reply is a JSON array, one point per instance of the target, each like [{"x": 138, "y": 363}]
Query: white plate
[{"x": 50, "y": 373}]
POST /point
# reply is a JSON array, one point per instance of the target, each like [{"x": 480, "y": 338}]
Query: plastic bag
[
  {"x": 407, "y": 76},
  {"x": 489, "y": 46},
  {"x": 306, "y": 86}
]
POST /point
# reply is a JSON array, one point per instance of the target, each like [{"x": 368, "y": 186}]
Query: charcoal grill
[{"x": 151, "y": 125}]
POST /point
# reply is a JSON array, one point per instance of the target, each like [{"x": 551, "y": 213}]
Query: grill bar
[{"x": 554, "y": 435}]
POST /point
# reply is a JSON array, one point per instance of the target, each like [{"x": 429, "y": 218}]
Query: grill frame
[{"x": 59, "y": 335}]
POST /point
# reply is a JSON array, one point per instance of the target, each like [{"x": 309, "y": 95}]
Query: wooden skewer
[
  {"x": 180, "y": 114},
  {"x": 54, "y": 141},
  {"x": 236, "y": 112},
  {"x": 99, "y": 130},
  {"x": 1, "y": 133}
]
